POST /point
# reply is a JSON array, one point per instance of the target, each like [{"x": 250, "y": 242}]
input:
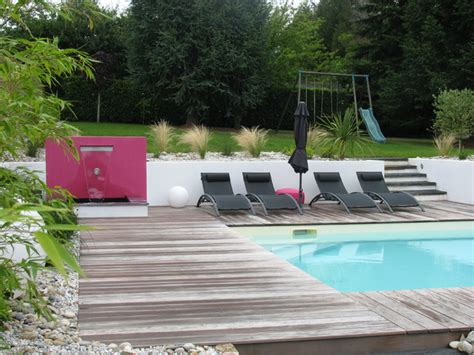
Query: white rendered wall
[
  {"x": 38, "y": 166},
  {"x": 163, "y": 175},
  {"x": 456, "y": 177}
]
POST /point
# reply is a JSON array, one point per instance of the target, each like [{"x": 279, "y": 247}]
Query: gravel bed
[
  {"x": 211, "y": 156},
  {"x": 27, "y": 333}
]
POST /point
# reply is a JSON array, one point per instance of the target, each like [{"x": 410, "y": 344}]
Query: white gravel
[{"x": 210, "y": 156}]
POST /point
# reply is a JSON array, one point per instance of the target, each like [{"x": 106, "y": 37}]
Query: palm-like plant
[
  {"x": 197, "y": 137},
  {"x": 339, "y": 135}
]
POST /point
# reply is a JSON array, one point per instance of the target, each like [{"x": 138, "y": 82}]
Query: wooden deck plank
[
  {"x": 456, "y": 295},
  {"x": 410, "y": 326},
  {"x": 425, "y": 308},
  {"x": 325, "y": 213},
  {"x": 396, "y": 306},
  {"x": 150, "y": 282},
  {"x": 183, "y": 276},
  {"x": 449, "y": 299}
]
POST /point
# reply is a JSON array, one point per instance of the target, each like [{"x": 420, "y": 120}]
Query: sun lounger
[
  {"x": 260, "y": 189},
  {"x": 374, "y": 185},
  {"x": 218, "y": 191},
  {"x": 332, "y": 189}
]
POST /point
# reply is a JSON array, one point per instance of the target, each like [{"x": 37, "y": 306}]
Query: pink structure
[
  {"x": 109, "y": 169},
  {"x": 292, "y": 192}
]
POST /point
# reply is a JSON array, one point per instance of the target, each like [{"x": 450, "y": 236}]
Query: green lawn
[{"x": 281, "y": 141}]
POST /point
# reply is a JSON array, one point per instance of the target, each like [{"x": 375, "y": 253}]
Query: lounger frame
[{"x": 209, "y": 198}]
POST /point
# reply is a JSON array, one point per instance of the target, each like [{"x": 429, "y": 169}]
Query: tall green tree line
[{"x": 227, "y": 63}]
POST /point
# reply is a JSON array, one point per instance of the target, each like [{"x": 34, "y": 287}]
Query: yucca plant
[
  {"x": 444, "y": 143},
  {"x": 340, "y": 135},
  {"x": 197, "y": 137},
  {"x": 162, "y": 134},
  {"x": 252, "y": 140}
]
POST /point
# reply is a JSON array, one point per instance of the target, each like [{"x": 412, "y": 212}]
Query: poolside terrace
[{"x": 182, "y": 275}]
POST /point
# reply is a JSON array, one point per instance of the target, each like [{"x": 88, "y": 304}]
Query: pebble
[
  {"x": 69, "y": 314},
  {"x": 124, "y": 345},
  {"x": 30, "y": 334},
  {"x": 64, "y": 323},
  {"x": 59, "y": 342},
  {"x": 189, "y": 346},
  {"x": 18, "y": 316}
]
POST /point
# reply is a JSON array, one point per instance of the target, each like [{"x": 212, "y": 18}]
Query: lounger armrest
[{"x": 205, "y": 198}]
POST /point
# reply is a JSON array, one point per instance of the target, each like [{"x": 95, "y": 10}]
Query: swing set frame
[{"x": 302, "y": 73}]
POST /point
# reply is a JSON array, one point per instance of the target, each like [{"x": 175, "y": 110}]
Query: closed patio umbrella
[{"x": 299, "y": 159}]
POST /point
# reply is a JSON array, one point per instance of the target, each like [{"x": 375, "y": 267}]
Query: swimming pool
[{"x": 375, "y": 257}]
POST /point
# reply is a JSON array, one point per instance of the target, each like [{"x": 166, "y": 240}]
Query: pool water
[{"x": 375, "y": 257}]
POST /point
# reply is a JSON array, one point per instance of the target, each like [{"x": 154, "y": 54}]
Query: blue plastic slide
[{"x": 372, "y": 125}]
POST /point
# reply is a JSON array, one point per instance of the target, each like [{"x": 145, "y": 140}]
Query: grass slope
[{"x": 281, "y": 141}]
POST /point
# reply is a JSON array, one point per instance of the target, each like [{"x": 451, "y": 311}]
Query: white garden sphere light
[{"x": 178, "y": 196}]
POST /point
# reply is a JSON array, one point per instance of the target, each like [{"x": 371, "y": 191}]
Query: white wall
[
  {"x": 39, "y": 166},
  {"x": 456, "y": 177},
  {"x": 163, "y": 175}
]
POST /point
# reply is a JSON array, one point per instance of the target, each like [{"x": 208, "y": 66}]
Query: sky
[{"x": 122, "y": 4}]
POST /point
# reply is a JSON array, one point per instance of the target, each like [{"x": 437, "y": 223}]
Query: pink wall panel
[{"x": 109, "y": 168}]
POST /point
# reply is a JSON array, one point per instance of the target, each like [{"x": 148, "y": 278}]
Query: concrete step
[
  {"x": 399, "y": 167},
  {"x": 427, "y": 194},
  {"x": 412, "y": 185},
  {"x": 413, "y": 170},
  {"x": 394, "y": 177},
  {"x": 395, "y": 162}
]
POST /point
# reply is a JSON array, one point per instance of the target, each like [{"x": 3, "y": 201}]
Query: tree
[
  {"x": 296, "y": 44},
  {"x": 99, "y": 34},
  {"x": 454, "y": 111},
  {"x": 337, "y": 21},
  {"x": 204, "y": 56},
  {"x": 412, "y": 49}
]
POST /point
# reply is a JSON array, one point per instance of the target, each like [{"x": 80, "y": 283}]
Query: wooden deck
[
  {"x": 183, "y": 276},
  {"x": 330, "y": 213}
]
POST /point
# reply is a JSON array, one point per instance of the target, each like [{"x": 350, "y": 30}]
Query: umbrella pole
[{"x": 300, "y": 192}]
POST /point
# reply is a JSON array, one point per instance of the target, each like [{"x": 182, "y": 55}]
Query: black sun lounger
[
  {"x": 332, "y": 189},
  {"x": 218, "y": 191},
  {"x": 260, "y": 189},
  {"x": 374, "y": 185}
]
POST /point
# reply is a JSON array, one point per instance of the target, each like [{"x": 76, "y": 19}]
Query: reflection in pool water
[{"x": 422, "y": 255}]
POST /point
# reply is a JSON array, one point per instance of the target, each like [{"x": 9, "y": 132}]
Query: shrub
[
  {"x": 444, "y": 143},
  {"x": 454, "y": 111},
  {"x": 31, "y": 149},
  {"x": 252, "y": 140},
  {"x": 162, "y": 134},
  {"x": 339, "y": 135},
  {"x": 197, "y": 138},
  {"x": 228, "y": 149},
  {"x": 463, "y": 155},
  {"x": 313, "y": 137}
]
